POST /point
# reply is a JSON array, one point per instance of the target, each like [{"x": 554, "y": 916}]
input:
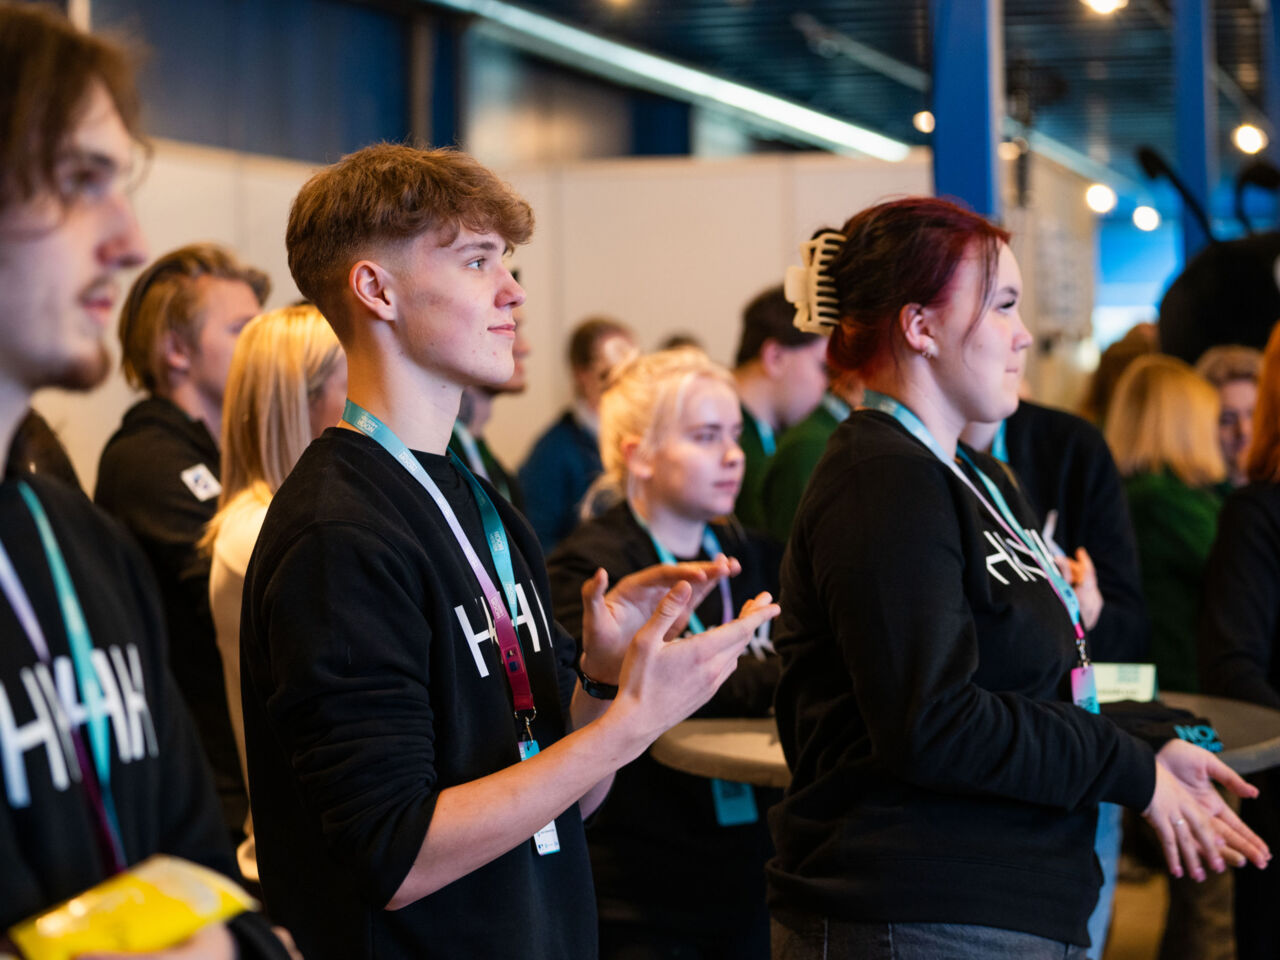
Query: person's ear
[
  {"x": 176, "y": 352},
  {"x": 919, "y": 329},
  {"x": 639, "y": 463},
  {"x": 373, "y": 287},
  {"x": 772, "y": 358}
]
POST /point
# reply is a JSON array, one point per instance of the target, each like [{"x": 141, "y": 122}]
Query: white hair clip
[{"x": 811, "y": 288}]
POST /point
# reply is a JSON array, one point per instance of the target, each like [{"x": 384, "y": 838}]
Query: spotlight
[
  {"x": 1146, "y": 218},
  {"x": 923, "y": 121},
  {"x": 1249, "y": 138},
  {"x": 1100, "y": 198}
]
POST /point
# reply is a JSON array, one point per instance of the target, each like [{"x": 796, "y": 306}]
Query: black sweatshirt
[
  {"x": 940, "y": 771},
  {"x": 163, "y": 795},
  {"x": 154, "y": 477},
  {"x": 1240, "y": 610},
  {"x": 659, "y": 857},
  {"x": 372, "y": 682},
  {"x": 1064, "y": 464}
]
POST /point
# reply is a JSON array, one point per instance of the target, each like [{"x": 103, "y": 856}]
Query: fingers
[
  {"x": 1230, "y": 779},
  {"x": 1238, "y": 837},
  {"x": 1169, "y": 844},
  {"x": 1085, "y": 562},
  {"x": 1198, "y": 836},
  {"x": 593, "y": 591},
  {"x": 672, "y": 610}
]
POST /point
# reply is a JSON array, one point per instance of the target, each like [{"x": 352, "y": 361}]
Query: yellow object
[{"x": 153, "y": 906}]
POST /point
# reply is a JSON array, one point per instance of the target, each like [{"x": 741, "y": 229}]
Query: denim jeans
[
  {"x": 821, "y": 938},
  {"x": 1106, "y": 845}
]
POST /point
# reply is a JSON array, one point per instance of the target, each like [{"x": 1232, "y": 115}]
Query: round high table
[{"x": 748, "y": 751}]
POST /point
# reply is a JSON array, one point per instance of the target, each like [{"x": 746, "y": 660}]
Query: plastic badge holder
[{"x": 153, "y": 906}]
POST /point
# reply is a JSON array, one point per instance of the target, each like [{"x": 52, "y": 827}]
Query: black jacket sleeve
[
  {"x": 895, "y": 598},
  {"x": 1240, "y": 611}
]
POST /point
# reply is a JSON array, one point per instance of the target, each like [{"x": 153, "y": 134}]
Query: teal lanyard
[
  {"x": 711, "y": 546},
  {"x": 764, "y": 430},
  {"x": 836, "y": 407},
  {"x": 495, "y": 536},
  {"x": 80, "y": 642},
  {"x": 467, "y": 441},
  {"x": 1000, "y": 446},
  {"x": 1000, "y": 512}
]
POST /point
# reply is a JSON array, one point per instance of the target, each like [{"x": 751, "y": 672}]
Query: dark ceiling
[{"x": 1101, "y": 85}]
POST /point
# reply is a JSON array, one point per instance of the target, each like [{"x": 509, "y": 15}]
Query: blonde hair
[
  {"x": 1262, "y": 462},
  {"x": 1164, "y": 416},
  {"x": 281, "y": 362},
  {"x": 644, "y": 399}
]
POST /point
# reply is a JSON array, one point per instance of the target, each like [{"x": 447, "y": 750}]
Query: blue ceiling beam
[
  {"x": 1271, "y": 73},
  {"x": 1195, "y": 104},
  {"x": 968, "y": 101}
]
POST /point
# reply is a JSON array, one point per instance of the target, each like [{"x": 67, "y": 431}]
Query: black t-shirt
[
  {"x": 1063, "y": 464},
  {"x": 660, "y": 858},
  {"x": 163, "y": 796},
  {"x": 159, "y": 477},
  {"x": 372, "y": 681},
  {"x": 940, "y": 771}
]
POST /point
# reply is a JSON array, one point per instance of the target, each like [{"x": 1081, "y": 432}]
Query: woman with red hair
[{"x": 936, "y": 704}]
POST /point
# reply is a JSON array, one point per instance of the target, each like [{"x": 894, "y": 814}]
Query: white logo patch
[{"x": 201, "y": 482}]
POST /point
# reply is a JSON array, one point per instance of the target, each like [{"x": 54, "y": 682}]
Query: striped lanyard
[
  {"x": 96, "y": 777},
  {"x": 835, "y": 406},
  {"x": 764, "y": 430},
  {"x": 1000, "y": 511},
  {"x": 711, "y": 546},
  {"x": 495, "y": 536}
]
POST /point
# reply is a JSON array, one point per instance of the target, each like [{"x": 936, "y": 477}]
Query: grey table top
[{"x": 748, "y": 751}]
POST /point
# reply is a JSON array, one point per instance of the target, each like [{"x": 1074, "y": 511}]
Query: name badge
[
  {"x": 735, "y": 803},
  {"x": 1084, "y": 689},
  {"x": 546, "y": 840}
]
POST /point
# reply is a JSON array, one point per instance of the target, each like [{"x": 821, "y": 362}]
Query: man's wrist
[{"x": 599, "y": 689}]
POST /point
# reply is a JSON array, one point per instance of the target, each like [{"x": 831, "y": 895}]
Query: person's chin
[{"x": 83, "y": 372}]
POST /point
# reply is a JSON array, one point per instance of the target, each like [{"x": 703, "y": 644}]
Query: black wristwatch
[{"x": 594, "y": 688}]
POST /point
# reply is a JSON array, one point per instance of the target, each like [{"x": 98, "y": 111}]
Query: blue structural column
[
  {"x": 968, "y": 101},
  {"x": 1271, "y": 71},
  {"x": 660, "y": 126},
  {"x": 1195, "y": 105}
]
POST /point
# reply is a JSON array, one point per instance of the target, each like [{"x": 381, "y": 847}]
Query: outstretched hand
[
  {"x": 1194, "y": 824},
  {"x": 610, "y": 620},
  {"x": 662, "y": 680}
]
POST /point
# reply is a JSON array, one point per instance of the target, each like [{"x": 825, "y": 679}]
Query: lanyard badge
[
  {"x": 94, "y": 761},
  {"x": 1004, "y": 517},
  {"x": 503, "y": 611},
  {"x": 735, "y": 803}
]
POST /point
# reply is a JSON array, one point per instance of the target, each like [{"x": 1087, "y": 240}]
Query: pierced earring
[{"x": 927, "y": 353}]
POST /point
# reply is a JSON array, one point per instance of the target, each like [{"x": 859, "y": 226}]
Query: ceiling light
[
  {"x": 1146, "y": 218},
  {"x": 585, "y": 51},
  {"x": 1100, "y": 198},
  {"x": 1105, "y": 6},
  {"x": 1249, "y": 138},
  {"x": 923, "y": 121}
]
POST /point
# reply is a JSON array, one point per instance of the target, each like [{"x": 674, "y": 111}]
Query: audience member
[
  {"x": 799, "y": 451},
  {"x": 1064, "y": 469},
  {"x": 159, "y": 471},
  {"x": 1162, "y": 430},
  {"x": 1233, "y": 372},
  {"x": 780, "y": 375},
  {"x": 944, "y": 790},
  {"x": 678, "y": 860},
  {"x": 288, "y": 381},
  {"x": 565, "y": 460},
  {"x": 1239, "y": 638},
  {"x": 102, "y": 768},
  {"x": 476, "y": 407},
  {"x": 1142, "y": 338},
  {"x": 391, "y": 690}
]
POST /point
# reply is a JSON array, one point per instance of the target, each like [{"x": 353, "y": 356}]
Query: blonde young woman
[
  {"x": 1163, "y": 431},
  {"x": 287, "y": 383},
  {"x": 678, "y": 860}
]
